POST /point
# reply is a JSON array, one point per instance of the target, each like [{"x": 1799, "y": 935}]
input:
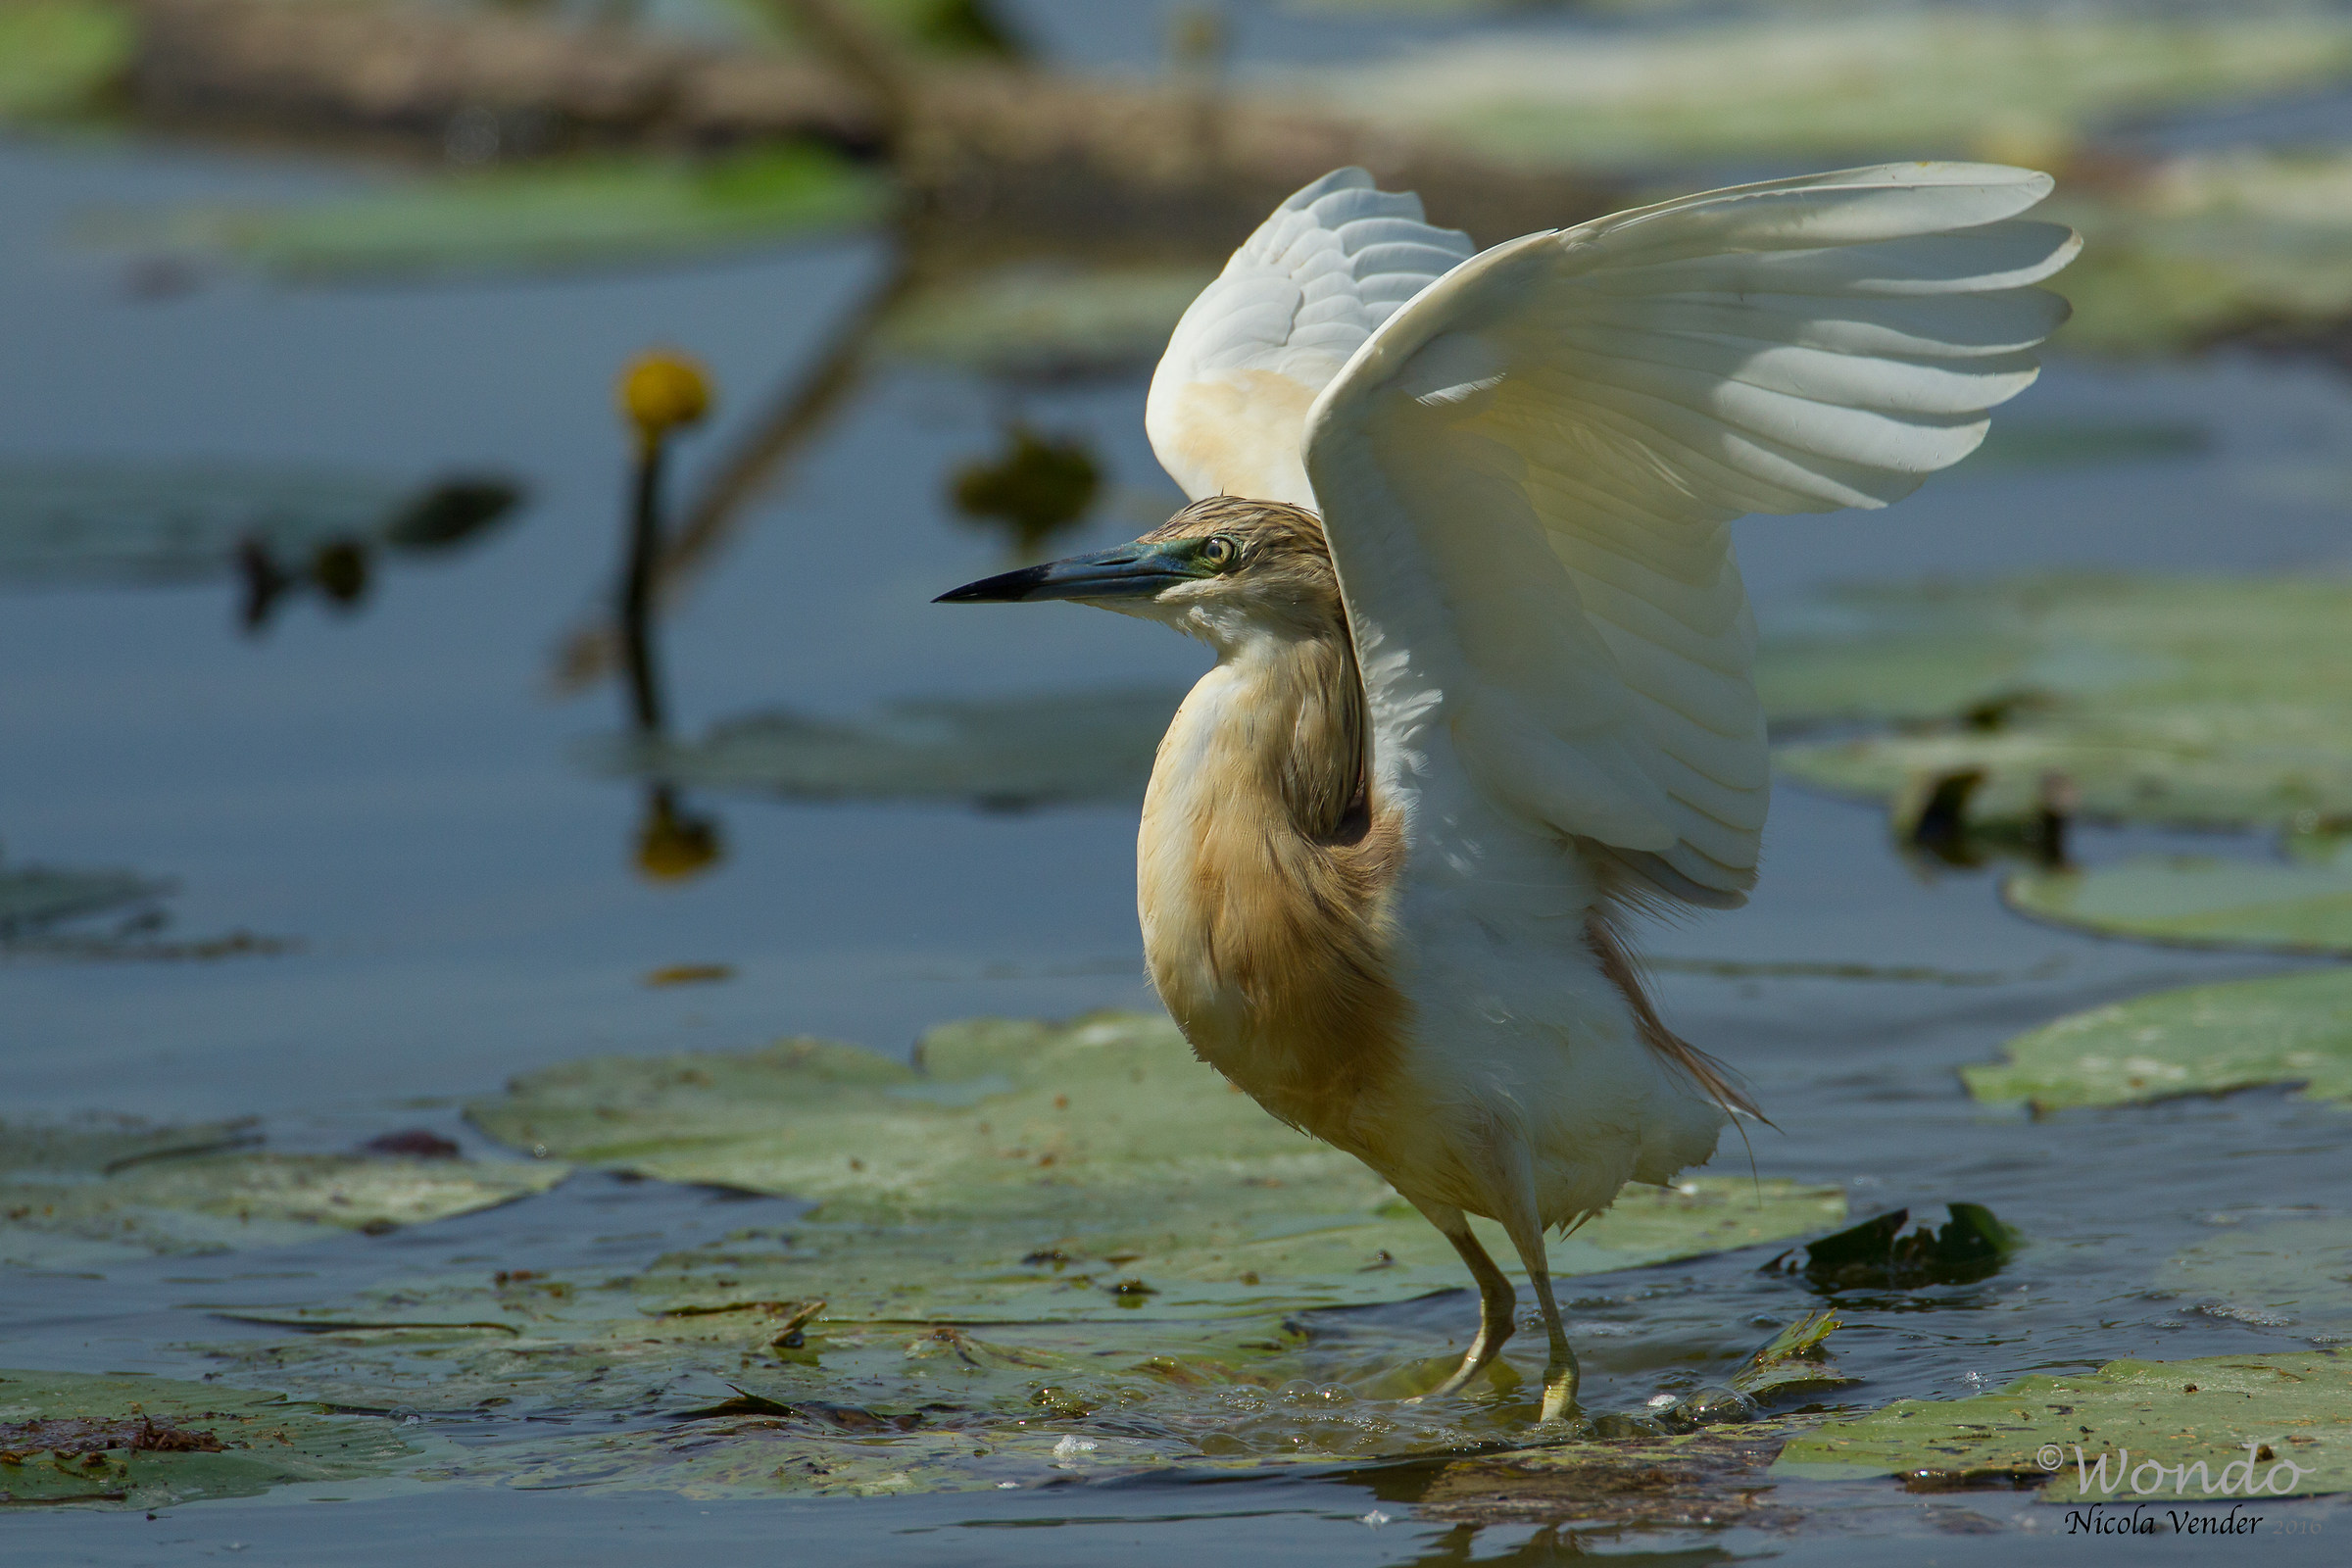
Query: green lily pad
[
  {"x": 2290, "y": 1029},
  {"x": 587, "y": 211},
  {"x": 1792, "y": 1362},
  {"x": 1025, "y": 1171},
  {"x": 779, "y": 1396},
  {"x": 1045, "y": 321},
  {"x": 1040, "y": 1251},
  {"x": 2191, "y": 702},
  {"x": 57, "y": 56},
  {"x": 943, "y": 28},
  {"x": 1909, "y": 82},
  {"x": 2254, "y": 1426},
  {"x": 120, "y": 522},
  {"x": 1004, "y": 753},
  {"x": 90, "y": 1191},
  {"x": 2211, "y": 243},
  {"x": 2197, "y": 901},
  {"x": 131, "y": 1442}
]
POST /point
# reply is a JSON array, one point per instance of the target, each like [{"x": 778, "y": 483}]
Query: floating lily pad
[
  {"x": 2192, "y": 702},
  {"x": 1001, "y": 753},
  {"x": 57, "y": 56},
  {"x": 2208, "y": 244},
  {"x": 2292, "y": 1029},
  {"x": 1909, "y": 82},
  {"x": 134, "y": 1442},
  {"x": 2276, "y": 1425},
  {"x": 752, "y": 1394},
  {"x": 1045, "y": 322},
  {"x": 120, "y": 522},
  {"x": 89, "y": 1191},
  {"x": 1040, "y": 1250},
  {"x": 2198, "y": 901},
  {"x": 587, "y": 211},
  {"x": 1083, "y": 1171}
]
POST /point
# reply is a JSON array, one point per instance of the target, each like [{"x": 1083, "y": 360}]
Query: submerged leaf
[
  {"x": 2198, "y": 901},
  {"x": 101, "y": 1146},
  {"x": 146, "y": 1443},
  {"x": 2286, "y": 1274},
  {"x": 2236, "y": 1426},
  {"x": 2289, "y": 1029},
  {"x": 1004, "y": 753},
  {"x": 92, "y": 1190},
  {"x": 1703, "y": 1480},
  {"x": 34, "y": 898}
]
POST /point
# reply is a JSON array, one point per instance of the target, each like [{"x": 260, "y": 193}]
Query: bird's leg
[
  {"x": 1496, "y": 1302},
  {"x": 1560, "y": 1372}
]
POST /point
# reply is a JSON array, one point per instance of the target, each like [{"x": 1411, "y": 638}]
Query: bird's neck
[
  {"x": 1263, "y": 877},
  {"x": 1293, "y": 736}
]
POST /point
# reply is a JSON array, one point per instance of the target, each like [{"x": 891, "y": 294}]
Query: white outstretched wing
[
  {"x": 1228, "y": 409},
  {"x": 1528, "y": 473}
]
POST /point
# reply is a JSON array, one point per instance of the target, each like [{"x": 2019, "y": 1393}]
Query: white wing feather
[
  {"x": 1527, "y": 473},
  {"x": 1228, "y": 409}
]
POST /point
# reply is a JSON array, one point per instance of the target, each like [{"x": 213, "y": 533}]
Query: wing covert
[
  {"x": 1227, "y": 414},
  {"x": 1528, "y": 473}
]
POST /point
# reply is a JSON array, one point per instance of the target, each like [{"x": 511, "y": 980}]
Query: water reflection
[
  {"x": 661, "y": 394},
  {"x": 276, "y": 530},
  {"x": 1036, "y": 489},
  {"x": 1936, "y": 830},
  {"x": 1000, "y": 754}
]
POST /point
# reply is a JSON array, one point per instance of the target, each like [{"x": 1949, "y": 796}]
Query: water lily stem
[{"x": 637, "y": 589}]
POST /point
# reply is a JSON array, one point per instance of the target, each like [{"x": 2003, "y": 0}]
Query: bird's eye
[{"x": 1220, "y": 551}]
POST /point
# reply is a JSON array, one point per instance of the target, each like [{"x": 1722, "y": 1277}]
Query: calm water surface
[{"x": 395, "y": 789}]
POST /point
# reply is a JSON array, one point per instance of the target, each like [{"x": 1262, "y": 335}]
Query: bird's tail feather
[{"x": 1713, "y": 1078}]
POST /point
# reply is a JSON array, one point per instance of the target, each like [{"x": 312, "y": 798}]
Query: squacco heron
[{"x": 1460, "y": 544}]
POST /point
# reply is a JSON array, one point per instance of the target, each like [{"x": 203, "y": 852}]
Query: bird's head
[{"x": 1223, "y": 570}]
